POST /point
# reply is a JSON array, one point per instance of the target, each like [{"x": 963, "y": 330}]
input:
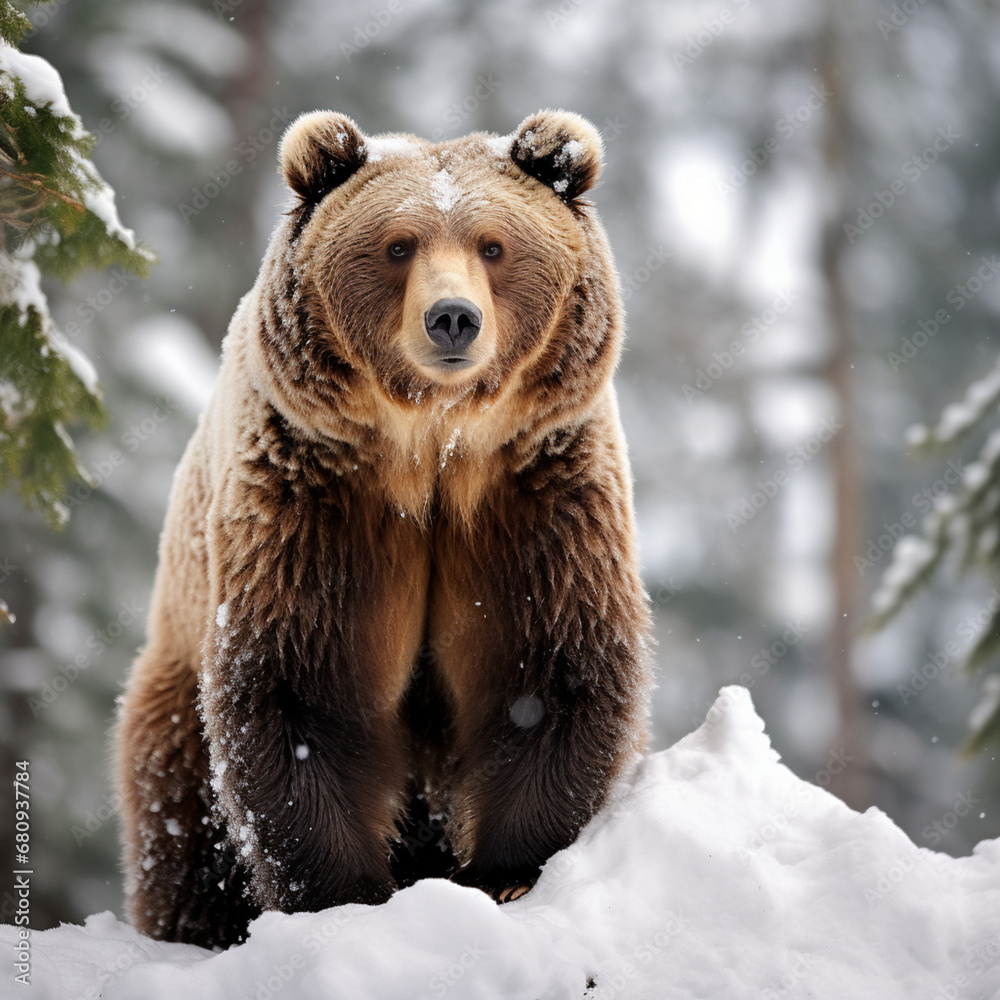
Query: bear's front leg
[
  {"x": 309, "y": 788},
  {"x": 541, "y": 624},
  {"x": 315, "y": 635}
]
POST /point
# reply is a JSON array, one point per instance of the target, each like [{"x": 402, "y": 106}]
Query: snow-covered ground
[{"x": 714, "y": 872}]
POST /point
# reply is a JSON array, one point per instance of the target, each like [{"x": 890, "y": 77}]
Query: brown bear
[{"x": 398, "y": 601}]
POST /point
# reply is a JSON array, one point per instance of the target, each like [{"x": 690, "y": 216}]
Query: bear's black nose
[{"x": 453, "y": 322}]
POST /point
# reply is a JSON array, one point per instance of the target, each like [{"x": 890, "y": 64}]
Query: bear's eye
[
  {"x": 399, "y": 250},
  {"x": 492, "y": 250}
]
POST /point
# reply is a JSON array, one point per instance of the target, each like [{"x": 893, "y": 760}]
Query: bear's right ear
[
  {"x": 560, "y": 149},
  {"x": 319, "y": 151}
]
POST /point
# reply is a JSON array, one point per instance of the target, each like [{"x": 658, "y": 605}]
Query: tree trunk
[{"x": 853, "y": 783}]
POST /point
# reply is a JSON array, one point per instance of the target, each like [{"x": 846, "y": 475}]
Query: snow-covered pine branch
[
  {"x": 965, "y": 523},
  {"x": 59, "y": 219}
]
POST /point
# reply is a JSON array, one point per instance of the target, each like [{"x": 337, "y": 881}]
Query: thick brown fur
[{"x": 390, "y": 593}]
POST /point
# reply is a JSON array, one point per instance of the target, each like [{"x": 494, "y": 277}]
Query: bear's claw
[{"x": 511, "y": 893}]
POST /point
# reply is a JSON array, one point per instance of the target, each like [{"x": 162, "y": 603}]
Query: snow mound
[{"x": 712, "y": 872}]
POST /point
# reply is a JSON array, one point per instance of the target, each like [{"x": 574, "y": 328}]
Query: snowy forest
[{"x": 804, "y": 205}]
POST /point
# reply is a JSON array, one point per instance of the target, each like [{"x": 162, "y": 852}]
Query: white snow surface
[{"x": 712, "y": 872}]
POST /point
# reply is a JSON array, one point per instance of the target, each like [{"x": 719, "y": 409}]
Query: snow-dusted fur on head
[
  {"x": 319, "y": 151},
  {"x": 561, "y": 149}
]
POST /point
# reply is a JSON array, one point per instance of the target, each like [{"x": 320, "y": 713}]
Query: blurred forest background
[{"x": 804, "y": 203}]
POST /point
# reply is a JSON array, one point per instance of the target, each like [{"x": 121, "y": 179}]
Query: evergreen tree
[{"x": 59, "y": 219}]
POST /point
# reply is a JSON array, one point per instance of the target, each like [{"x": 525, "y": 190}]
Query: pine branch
[
  {"x": 13, "y": 24},
  {"x": 58, "y": 218},
  {"x": 965, "y": 523}
]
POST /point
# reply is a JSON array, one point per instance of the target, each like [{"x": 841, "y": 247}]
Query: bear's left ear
[
  {"x": 560, "y": 149},
  {"x": 319, "y": 151}
]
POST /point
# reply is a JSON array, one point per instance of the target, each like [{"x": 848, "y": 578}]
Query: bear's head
[{"x": 463, "y": 271}]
